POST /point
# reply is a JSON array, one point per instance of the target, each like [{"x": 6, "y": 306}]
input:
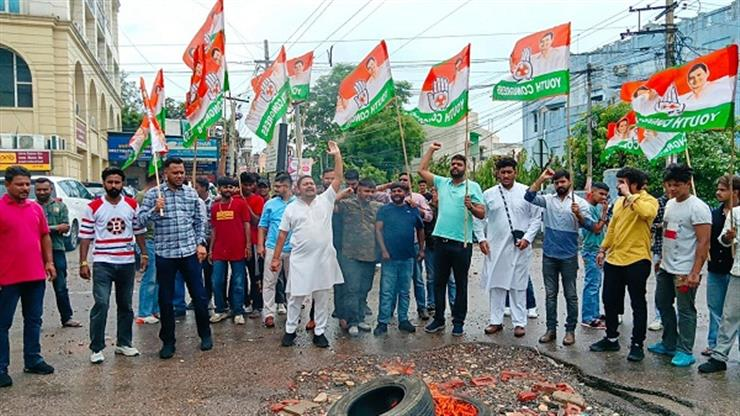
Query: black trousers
[
  {"x": 451, "y": 256},
  {"x": 255, "y": 266},
  {"x": 633, "y": 277}
]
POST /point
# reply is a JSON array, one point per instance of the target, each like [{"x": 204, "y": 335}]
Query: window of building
[
  {"x": 15, "y": 80},
  {"x": 10, "y": 6},
  {"x": 535, "y": 124}
]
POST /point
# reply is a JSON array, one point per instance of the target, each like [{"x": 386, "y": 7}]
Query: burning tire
[
  {"x": 388, "y": 396},
  {"x": 460, "y": 405}
]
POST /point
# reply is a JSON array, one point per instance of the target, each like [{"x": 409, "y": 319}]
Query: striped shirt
[
  {"x": 561, "y": 226},
  {"x": 113, "y": 227},
  {"x": 181, "y": 228}
]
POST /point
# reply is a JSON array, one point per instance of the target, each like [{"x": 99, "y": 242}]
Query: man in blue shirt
[
  {"x": 396, "y": 225},
  {"x": 269, "y": 224}
]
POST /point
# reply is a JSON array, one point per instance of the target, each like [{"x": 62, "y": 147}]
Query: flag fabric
[
  {"x": 140, "y": 139},
  {"x": 366, "y": 90},
  {"x": 444, "y": 95},
  {"x": 206, "y": 56},
  {"x": 539, "y": 67},
  {"x": 156, "y": 136},
  {"x": 659, "y": 144},
  {"x": 271, "y": 98},
  {"x": 621, "y": 136},
  {"x": 696, "y": 96},
  {"x": 299, "y": 73}
]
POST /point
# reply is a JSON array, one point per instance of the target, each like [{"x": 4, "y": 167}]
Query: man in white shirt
[
  {"x": 508, "y": 256},
  {"x": 110, "y": 221},
  {"x": 314, "y": 269}
]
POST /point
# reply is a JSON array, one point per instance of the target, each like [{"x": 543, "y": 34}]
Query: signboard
[
  {"x": 119, "y": 150},
  {"x": 33, "y": 160},
  {"x": 80, "y": 133},
  {"x": 306, "y": 165}
]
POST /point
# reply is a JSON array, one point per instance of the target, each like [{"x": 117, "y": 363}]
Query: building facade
[
  {"x": 637, "y": 57},
  {"x": 59, "y": 83}
]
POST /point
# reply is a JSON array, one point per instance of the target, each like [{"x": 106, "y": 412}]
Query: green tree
[
  {"x": 174, "y": 109},
  {"x": 133, "y": 108}
]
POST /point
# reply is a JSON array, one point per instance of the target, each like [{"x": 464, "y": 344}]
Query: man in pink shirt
[{"x": 25, "y": 263}]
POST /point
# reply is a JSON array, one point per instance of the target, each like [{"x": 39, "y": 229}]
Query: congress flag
[
  {"x": 299, "y": 73},
  {"x": 271, "y": 99},
  {"x": 140, "y": 139}
]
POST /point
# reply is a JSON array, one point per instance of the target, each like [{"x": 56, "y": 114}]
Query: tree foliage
[
  {"x": 485, "y": 173},
  {"x": 175, "y": 108},
  {"x": 133, "y": 108}
]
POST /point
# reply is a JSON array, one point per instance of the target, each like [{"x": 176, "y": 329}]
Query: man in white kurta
[
  {"x": 314, "y": 269},
  {"x": 506, "y": 263}
]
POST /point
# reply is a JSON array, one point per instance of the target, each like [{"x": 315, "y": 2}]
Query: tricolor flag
[
  {"x": 271, "y": 99},
  {"x": 205, "y": 109},
  {"x": 696, "y": 96},
  {"x": 444, "y": 95},
  {"x": 156, "y": 136},
  {"x": 299, "y": 73},
  {"x": 539, "y": 66},
  {"x": 621, "y": 136},
  {"x": 366, "y": 90},
  {"x": 140, "y": 139}
]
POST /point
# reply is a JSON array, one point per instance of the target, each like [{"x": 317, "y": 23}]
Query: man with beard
[
  {"x": 458, "y": 199},
  {"x": 111, "y": 223},
  {"x": 626, "y": 259},
  {"x": 313, "y": 261},
  {"x": 560, "y": 248},
  {"x": 25, "y": 262},
  {"x": 57, "y": 216},
  {"x": 255, "y": 264},
  {"x": 505, "y": 238}
]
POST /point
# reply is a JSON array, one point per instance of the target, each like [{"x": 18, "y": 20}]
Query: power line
[{"x": 432, "y": 25}]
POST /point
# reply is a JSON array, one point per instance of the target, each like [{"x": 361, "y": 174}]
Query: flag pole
[
  {"x": 465, "y": 176},
  {"x": 403, "y": 140},
  {"x": 195, "y": 159},
  {"x": 732, "y": 180},
  {"x": 298, "y": 137},
  {"x": 688, "y": 163},
  {"x": 156, "y": 177},
  {"x": 570, "y": 152}
]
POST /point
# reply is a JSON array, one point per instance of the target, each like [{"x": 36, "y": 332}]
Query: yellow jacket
[{"x": 628, "y": 237}]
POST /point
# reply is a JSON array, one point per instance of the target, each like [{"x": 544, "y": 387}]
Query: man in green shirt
[{"x": 58, "y": 218}]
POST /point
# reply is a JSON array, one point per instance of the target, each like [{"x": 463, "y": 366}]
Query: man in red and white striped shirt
[{"x": 110, "y": 222}]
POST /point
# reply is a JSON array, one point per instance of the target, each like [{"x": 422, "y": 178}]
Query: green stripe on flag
[
  {"x": 275, "y": 110},
  {"x": 200, "y": 129},
  {"x": 546, "y": 85},
  {"x": 630, "y": 147},
  {"x": 377, "y": 104},
  {"x": 718, "y": 117},
  {"x": 675, "y": 146},
  {"x": 299, "y": 92},
  {"x": 448, "y": 117}
]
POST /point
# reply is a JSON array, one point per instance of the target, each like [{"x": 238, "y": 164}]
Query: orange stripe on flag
[
  {"x": 628, "y": 90},
  {"x": 560, "y": 37},
  {"x": 306, "y": 59},
  {"x": 720, "y": 63},
  {"x": 448, "y": 69},
  {"x": 361, "y": 73}
]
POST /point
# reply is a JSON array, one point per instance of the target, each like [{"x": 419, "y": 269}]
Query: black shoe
[
  {"x": 430, "y": 310},
  {"x": 636, "y": 353},
  {"x": 167, "y": 351},
  {"x": 457, "y": 330},
  {"x": 381, "y": 329},
  {"x": 605, "y": 345},
  {"x": 206, "y": 344},
  {"x": 435, "y": 326},
  {"x": 320, "y": 341},
  {"x": 423, "y": 314},
  {"x": 713, "y": 366},
  {"x": 288, "y": 340},
  {"x": 5, "y": 380},
  {"x": 40, "y": 368},
  {"x": 406, "y": 326},
  {"x": 190, "y": 306},
  {"x": 180, "y": 314}
]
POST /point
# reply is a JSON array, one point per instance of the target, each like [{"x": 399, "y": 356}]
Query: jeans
[
  {"x": 591, "y": 287},
  {"x": 634, "y": 277},
  {"x": 208, "y": 279},
  {"x": 179, "y": 299},
  {"x": 255, "y": 265},
  {"x": 729, "y": 330},
  {"x": 451, "y": 257},
  {"x": 429, "y": 266},
  {"x": 716, "y": 295},
  {"x": 189, "y": 267},
  {"x": 358, "y": 279},
  {"x": 531, "y": 301},
  {"x": 105, "y": 275},
  {"x": 31, "y": 295},
  {"x": 418, "y": 279},
  {"x": 60, "y": 286},
  {"x": 395, "y": 282},
  {"x": 567, "y": 270},
  {"x": 148, "y": 288},
  {"x": 236, "y": 289},
  {"x": 678, "y": 333}
]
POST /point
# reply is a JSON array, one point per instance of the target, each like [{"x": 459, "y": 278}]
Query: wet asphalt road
[{"x": 247, "y": 364}]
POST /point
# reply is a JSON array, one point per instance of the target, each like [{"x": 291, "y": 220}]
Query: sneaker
[
  {"x": 206, "y": 344},
  {"x": 636, "y": 354},
  {"x": 127, "y": 351},
  {"x": 656, "y": 325},
  {"x": 288, "y": 340},
  {"x": 270, "y": 322},
  {"x": 381, "y": 329},
  {"x": 167, "y": 352},
  {"x": 406, "y": 326},
  {"x": 151, "y": 319},
  {"x": 41, "y": 368},
  {"x": 711, "y": 366},
  {"x": 354, "y": 331},
  {"x": 97, "y": 357},
  {"x": 320, "y": 341},
  {"x": 681, "y": 359},
  {"x": 595, "y": 324},
  {"x": 659, "y": 348},
  {"x": 532, "y": 313},
  {"x": 281, "y": 309},
  {"x": 423, "y": 314},
  {"x": 507, "y": 311},
  {"x": 72, "y": 323},
  {"x": 239, "y": 320},
  {"x": 248, "y": 309},
  {"x": 219, "y": 316},
  {"x": 604, "y": 345},
  {"x": 434, "y": 326},
  {"x": 619, "y": 319},
  {"x": 5, "y": 380},
  {"x": 457, "y": 330},
  {"x": 364, "y": 326}
]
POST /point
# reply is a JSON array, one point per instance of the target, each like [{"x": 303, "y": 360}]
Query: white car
[{"x": 73, "y": 194}]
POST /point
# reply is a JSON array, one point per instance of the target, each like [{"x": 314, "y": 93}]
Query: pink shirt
[{"x": 21, "y": 228}]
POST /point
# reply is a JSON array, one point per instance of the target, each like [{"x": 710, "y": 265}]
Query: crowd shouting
[{"x": 310, "y": 251}]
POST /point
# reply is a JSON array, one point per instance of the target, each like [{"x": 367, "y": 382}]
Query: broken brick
[
  {"x": 507, "y": 375},
  {"x": 279, "y": 407},
  {"x": 544, "y": 387},
  {"x": 572, "y": 410},
  {"x": 483, "y": 381},
  {"x": 565, "y": 387},
  {"x": 573, "y": 398},
  {"x": 526, "y": 396}
]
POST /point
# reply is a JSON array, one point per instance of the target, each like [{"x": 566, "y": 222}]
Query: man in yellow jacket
[{"x": 626, "y": 249}]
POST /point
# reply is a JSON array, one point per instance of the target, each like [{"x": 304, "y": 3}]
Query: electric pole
[
  {"x": 590, "y": 142},
  {"x": 670, "y": 34}
]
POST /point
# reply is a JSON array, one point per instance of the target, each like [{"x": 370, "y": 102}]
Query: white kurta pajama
[
  {"x": 314, "y": 269},
  {"x": 506, "y": 267}
]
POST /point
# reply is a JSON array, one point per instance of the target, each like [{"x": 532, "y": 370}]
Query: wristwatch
[{"x": 83, "y": 263}]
